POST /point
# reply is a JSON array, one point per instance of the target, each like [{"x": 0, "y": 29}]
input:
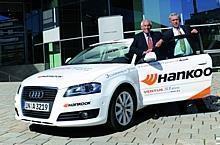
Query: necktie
[
  {"x": 182, "y": 42},
  {"x": 150, "y": 43}
]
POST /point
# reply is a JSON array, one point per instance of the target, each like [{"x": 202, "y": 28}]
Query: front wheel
[{"x": 121, "y": 110}]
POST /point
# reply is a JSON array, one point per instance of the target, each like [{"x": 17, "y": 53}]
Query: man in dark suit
[
  {"x": 145, "y": 41},
  {"x": 177, "y": 47}
]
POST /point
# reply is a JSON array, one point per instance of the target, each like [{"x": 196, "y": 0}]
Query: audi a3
[{"x": 102, "y": 86}]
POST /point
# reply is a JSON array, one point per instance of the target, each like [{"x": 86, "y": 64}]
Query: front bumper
[{"x": 84, "y": 110}]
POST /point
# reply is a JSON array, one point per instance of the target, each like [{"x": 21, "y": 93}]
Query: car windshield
[{"x": 103, "y": 53}]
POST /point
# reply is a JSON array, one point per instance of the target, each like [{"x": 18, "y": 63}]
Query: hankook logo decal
[
  {"x": 76, "y": 104},
  {"x": 150, "y": 79},
  {"x": 155, "y": 78}
]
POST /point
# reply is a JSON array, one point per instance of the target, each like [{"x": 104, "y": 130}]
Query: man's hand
[
  {"x": 194, "y": 31},
  {"x": 147, "y": 51},
  {"x": 159, "y": 43}
]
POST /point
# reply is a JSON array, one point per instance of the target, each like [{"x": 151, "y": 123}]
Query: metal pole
[
  {"x": 9, "y": 78},
  {"x": 109, "y": 8},
  {"x": 81, "y": 25},
  {"x": 201, "y": 44},
  {"x": 25, "y": 36}
]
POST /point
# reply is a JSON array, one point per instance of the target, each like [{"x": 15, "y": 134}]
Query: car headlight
[{"x": 83, "y": 89}]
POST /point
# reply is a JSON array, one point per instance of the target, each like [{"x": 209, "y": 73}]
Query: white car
[{"x": 100, "y": 86}]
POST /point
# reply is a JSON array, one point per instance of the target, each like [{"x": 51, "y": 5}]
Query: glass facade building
[{"x": 75, "y": 22}]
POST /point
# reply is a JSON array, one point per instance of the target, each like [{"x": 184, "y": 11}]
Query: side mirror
[
  {"x": 151, "y": 56},
  {"x": 68, "y": 59}
]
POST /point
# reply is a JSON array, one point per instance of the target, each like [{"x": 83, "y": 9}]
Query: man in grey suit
[{"x": 177, "y": 47}]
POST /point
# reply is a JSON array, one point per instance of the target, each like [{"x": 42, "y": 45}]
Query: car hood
[{"x": 65, "y": 76}]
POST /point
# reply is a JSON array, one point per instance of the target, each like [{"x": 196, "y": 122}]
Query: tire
[{"x": 121, "y": 109}]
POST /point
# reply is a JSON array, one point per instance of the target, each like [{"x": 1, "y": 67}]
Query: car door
[{"x": 175, "y": 79}]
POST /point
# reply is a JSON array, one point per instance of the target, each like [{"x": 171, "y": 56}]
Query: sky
[
  {"x": 202, "y": 5},
  {"x": 159, "y": 10}
]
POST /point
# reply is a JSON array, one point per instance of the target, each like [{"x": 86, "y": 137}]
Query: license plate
[{"x": 36, "y": 106}]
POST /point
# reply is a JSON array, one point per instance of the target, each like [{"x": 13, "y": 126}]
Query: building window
[
  {"x": 70, "y": 20},
  {"x": 70, "y": 48}
]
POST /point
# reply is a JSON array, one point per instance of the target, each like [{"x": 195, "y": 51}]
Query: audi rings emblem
[{"x": 36, "y": 94}]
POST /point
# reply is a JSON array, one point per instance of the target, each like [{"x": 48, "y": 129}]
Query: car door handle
[
  {"x": 183, "y": 59},
  {"x": 202, "y": 63}
]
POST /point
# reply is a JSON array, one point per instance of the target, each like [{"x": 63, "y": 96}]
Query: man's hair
[
  {"x": 146, "y": 20},
  {"x": 174, "y": 14}
]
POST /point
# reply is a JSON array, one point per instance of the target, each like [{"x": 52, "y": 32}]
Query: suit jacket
[
  {"x": 139, "y": 44},
  {"x": 168, "y": 37}
]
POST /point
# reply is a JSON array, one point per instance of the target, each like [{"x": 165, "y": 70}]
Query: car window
[{"x": 104, "y": 53}]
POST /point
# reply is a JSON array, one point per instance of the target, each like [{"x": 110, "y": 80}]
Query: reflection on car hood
[{"x": 65, "y": 76}]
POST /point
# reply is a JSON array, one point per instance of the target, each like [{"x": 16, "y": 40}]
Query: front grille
[
  {"x": 46, "y": 95},
  {"x": 77, "y": 115},
  {"x": 49, "y": 93},
  {"x": 36, "y": 114}
]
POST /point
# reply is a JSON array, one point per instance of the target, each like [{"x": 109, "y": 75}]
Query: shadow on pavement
[
  {"x": 209, "y": 104},
  {"x": 73, "y": 132}
]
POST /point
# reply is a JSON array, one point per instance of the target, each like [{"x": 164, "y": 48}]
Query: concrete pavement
[{"x": 171, "y": 128}]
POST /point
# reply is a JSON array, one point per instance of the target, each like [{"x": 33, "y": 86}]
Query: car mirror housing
[{"x": 68, "y": 59}]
